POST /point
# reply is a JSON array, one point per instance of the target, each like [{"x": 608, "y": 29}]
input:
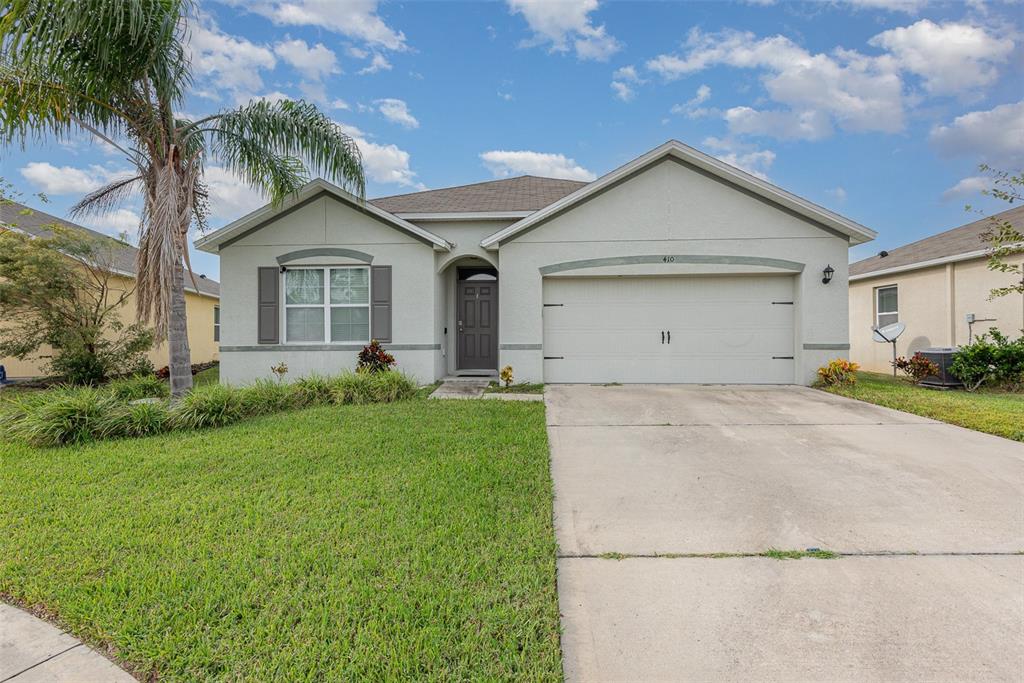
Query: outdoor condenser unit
[{"x": 943, "y": 357}]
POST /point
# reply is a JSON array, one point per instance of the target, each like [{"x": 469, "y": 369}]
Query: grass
[
  {"x": 521, "y": 388},
  {"x": 773, "y": 553},
  {"x": 207, "y": 376},
  {"x": 401, "y": 541},
  {"x": 992, "y": 412}
]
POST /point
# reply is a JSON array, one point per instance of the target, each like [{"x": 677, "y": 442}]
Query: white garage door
[{"x": 700, "y": 329}]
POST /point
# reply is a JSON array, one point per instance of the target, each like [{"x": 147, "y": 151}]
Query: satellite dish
[{"x": 889, "y": 333}]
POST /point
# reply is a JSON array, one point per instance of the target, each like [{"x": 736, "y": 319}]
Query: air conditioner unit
[{"x": 943, "y": 357}]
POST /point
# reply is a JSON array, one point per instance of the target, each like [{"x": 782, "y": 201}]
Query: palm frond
[
  {"x": 274, "y": 144},
  {"x": 107, "y": 198}
]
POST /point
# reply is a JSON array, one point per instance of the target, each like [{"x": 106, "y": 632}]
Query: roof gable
[
  {"x": 522, "y": 193},
  {"x": 829, "y": 220},
  {"x": 311, "y": 190},
  {"x": 964, "y": 241}
]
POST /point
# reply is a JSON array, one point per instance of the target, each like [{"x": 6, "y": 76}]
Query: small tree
[
  {"x": 62, "y": 292},
  {"x": 1005, "y": 241}
]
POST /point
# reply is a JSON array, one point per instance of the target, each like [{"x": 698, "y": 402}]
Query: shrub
[
  {"x": 917, "y": 367},
  {"x": 373, "y": 358},
  {"x": 140, "y": 386},
  {"x": 211, "y": 405},
  {"x": 62, "y": 416},
  {"x": 506, "y": 375},
  {"x": 993, "y": 358},
  {"x": 312, "y": 390},
  {"x": 266, "y": 396},
  {"x": 838, "y": 373},
  {"x": 379, "y": 387},
  {"x": 137, "y": 419}
]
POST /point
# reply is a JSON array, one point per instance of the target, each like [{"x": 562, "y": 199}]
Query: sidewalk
[{"x": 33, "y": 651}]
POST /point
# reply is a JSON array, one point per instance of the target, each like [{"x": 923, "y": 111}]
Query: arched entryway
[{"x": 471, "y": 328}]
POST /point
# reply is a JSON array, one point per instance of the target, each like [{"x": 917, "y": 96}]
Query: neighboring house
[
  {"x": 673, "y": 268},
  {"x": 202, "y": 306},
  {"x": 931, "y": 286}
]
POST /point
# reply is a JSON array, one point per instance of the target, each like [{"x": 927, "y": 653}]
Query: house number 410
[{"x": 668, "y": 259}]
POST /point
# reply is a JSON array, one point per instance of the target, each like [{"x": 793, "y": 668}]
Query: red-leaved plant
[{"x": 373, "y": 358}]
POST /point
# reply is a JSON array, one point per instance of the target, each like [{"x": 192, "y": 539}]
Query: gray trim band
[
  {"x": 675, "y": 258},
  {"x": 328, "y": 347},
  {"x": 519, "y": 347},
  {"x": 826, "y": 347},
  {"x": 325, "y": 251}
]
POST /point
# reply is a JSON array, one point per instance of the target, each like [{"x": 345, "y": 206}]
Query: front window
[
  {"x": 327, "y": 304},
  {"x": 886, "y": 306}
]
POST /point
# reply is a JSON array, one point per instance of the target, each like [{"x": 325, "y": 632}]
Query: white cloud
[
  {"x": 972, "y": 185},
  {"x": 230, "y": 197},
  {"x": 626, "y": 73},
  {"x": 785, "y": 125},
  {"x": 857, "y": 92},
  {"x": 507, "y": 96},
  {"x": 115, "y": 223},
  {"x": 357, "y": 19},
  {"x": 508, "y": 163},
  {"x": 58, "y": 180},
  {"x": 995, "y": 136},
  {"x": 565, "y": 25},
  {"x": 839, "y": 193},
  {"x": 951, "y": 58},
  {"x": 378, "y": 63},
  {"x": 754, "y": 161},
  {"x": 315, "y": 62},
  {"x": 272, "y": 97},
  {"x": 383, "y": 163},
  {"x": 691, "y": 108},
  {"x": 397, "y": 111},
  {"x": 908, "y": 6},
  {"x": 233, "y": 62},
  {"x": 623, "y": 91},
  {"x": 339, "y": 104}
]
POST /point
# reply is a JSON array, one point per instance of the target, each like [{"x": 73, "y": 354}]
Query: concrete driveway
[{"x": 930, "y": 519}]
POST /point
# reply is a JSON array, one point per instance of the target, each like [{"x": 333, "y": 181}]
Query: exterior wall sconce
[{"x": 827, "y": 273}]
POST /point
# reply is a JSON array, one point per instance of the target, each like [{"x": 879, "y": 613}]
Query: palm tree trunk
[{"x": 180, "y": 357}]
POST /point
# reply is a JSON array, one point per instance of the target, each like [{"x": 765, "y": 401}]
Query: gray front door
[{"x": 477, "y": 325}]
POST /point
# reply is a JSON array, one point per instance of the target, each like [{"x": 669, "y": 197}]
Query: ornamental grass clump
[
  {"x": 375, "y": 387},
  {"x": 139, "y": 386},
  {"x": 137, "y": 419},
  {"x": 312, "y": 390},
  {"x": 265, "y": 396},
  {"x": 63, "y": 416},
  {"x": 213, "y": 405}
]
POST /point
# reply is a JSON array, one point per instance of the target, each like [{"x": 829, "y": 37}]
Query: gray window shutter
[
  {"x": 380, "y": 315},
  {"x": 267, "y": 322}
]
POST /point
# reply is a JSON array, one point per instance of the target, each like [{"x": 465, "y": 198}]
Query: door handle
[
  {"x": 670, "y": 336},
  {"x": 663, "y": 336}
]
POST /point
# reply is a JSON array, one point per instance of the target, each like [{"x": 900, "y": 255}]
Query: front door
[{"x": 477, "y": 325}]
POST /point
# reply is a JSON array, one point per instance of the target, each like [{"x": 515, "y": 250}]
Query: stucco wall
[
  {"x": 933, "y": 304},
  {"x": 326, "y": 222},
  {"x": 198, "y": 309},
  {"x": 671, "y": 209}
]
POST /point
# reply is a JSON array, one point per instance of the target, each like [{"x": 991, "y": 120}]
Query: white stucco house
[{"x": 675, "y": 267}]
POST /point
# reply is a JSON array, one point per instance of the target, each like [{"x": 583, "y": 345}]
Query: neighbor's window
[
  {"x": 886, "y": 306},
  {"x": 216, "y": 323},
  {"x": 327, "y": 304}
]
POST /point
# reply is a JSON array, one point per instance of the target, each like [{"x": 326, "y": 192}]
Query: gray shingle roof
[
  {"x": 523, "y": 193},
  {"x": 36, "y": 222},
  {"x": 953, "y": 242}
]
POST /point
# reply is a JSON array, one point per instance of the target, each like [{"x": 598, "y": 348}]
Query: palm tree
[{"x": 119, "y": 70}]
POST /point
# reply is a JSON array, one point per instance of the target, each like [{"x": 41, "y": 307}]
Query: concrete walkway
[
  {"x": 473, "y": 387},
  {"x": 33, "y": 651},
  {"x": 931, "y": 517}
]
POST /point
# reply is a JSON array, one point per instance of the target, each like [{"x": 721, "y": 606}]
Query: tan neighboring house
[
  {"x": 202, "y": 303},
  {"x": 934, "y": 286}
]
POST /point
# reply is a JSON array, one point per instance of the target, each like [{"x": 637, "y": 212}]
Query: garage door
[{"x": 700, "y": 329}]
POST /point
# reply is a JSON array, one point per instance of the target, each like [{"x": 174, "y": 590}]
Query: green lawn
[
  {"x": 402, "y": 541},
  {"x": 997, "y": 413}
]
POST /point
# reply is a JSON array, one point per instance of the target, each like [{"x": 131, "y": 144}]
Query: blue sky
[{"x": 878, "y": 109}]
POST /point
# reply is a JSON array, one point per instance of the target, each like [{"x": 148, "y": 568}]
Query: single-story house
[
  {"x": 675, "y": 267},
  {"x": 202, "y": 304},
  {"x": 938, "y": 287}
]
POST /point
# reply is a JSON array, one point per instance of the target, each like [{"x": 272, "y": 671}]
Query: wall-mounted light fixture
[
  {"x": 827, "y": 273},
  {"x": 284, "y": 269}
]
